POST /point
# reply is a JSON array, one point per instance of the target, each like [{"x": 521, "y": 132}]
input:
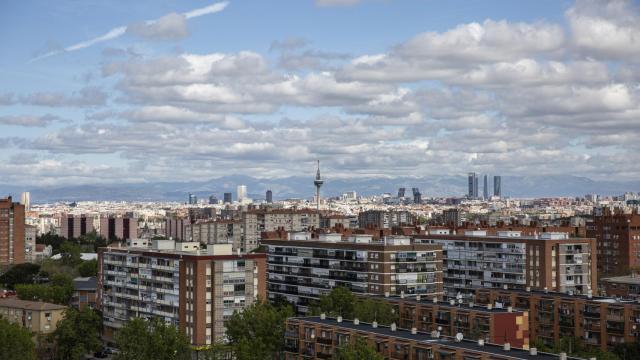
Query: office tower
[
  {"x": 256, "y": 221},
  {"x": 617, "y": 237},
  {"x": 195, "y": 290},
  {"x": 401, "y": 192},
  {"x": 302, "y": 268},
  {"x": 417, "y": 196},
  {"x": 213, "y": 200},
  {"x": 228, "y": 198},
  {"x": 497, "y": 186},
  {"x": 318, "y": 183},
  {"x": 74, "y": 226},
  {"x": 241, "y": 193},
  {"x": 269, "y": 196},
  {"x": 115, "y": 228},
  {"x": 193, "y": 200},
  {"x": 485, "y": 190},
  {"x": 385, "y": 219},
  {"x": 11, "y": 233},
  {"x": 473, "y": 186},
  {"x": 550, "y": 261},
  {"x": 25, "y": 199}
]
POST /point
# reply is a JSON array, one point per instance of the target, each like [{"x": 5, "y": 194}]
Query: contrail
[{"x": 121, "y": 30}]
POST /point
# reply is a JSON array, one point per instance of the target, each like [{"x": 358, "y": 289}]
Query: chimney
[
  {"x": 507, "y": 347},
  {"x": 414, "y": 331},
  {"x": 323, "y": 316},
  {"x": 393, "y": 326},
  {"x": 374, "y": 324},
  {"x": 339, "y": 319},
  {"x": 533, "y": 351},
  {"x": 356, "y": 321}
]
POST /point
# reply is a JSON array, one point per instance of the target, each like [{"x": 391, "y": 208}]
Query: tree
[
  {"x": 15, "y": 342},
  {"x": 88, "y": 268},
  {"x": 51, "y": 239},
  {"x": 70, "y": 254},
  {"x": 77, "y": 333},
  {"x": 257, "y": 332},
  {"x": 358, "y": 351},
  {"x": 339, "y": 302},
  {"x": 59, "y": 290},
  {"x": 141, "y": 339},
  {"x": 370, "y": 310},
  {"x": 19, "y": 274}
]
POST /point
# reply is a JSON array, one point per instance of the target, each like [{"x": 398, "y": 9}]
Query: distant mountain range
[{"x": 302, "y": 187}]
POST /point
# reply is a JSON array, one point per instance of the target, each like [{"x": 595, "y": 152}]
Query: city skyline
[{"x": 129, "y": 92}]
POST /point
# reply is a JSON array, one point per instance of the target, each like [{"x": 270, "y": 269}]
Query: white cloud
[{"x": 169, "y": 27}]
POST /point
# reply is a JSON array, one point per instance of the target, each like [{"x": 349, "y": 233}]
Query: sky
[{"x": 144, "y": 91}]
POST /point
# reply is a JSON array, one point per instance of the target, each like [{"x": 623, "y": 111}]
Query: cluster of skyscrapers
[{"x": 473, "y": 186}]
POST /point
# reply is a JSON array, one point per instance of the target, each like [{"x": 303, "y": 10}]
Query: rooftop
[
  {"x": 85, "y": 283},
  {"x": 428, "y": 301},
  {"x": 29, "y": 305},
  {"x": 426, "y": 339},
  {"x": 625, "y": 279}
]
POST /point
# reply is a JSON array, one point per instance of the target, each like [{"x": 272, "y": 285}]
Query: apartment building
[
  {"x": 599, "y": 321},
  {"x": 617, "y": 237},
  {"x": 551, "y": 261},
  {"x": 36, "y": 316},
  {"x": 175, "y": 227},
  {"x": 84, "y": 292},
  {"x": 256, "y": 221},
  {"x": 382, "y": 219},
  {"x": 195, "y": 290},
  {"x": 320, "y": 337},
  {"x": 73, "y": 226},
  {"x": 492, "y": 324},
  {"x": 114, "y": 227},
  {"x": 216, "y": 232},
  {"x": 302, "y": 268},
  {"x": 626, "y": 287},
  {"x": 30, "y": 234},
  {"x": 12, "y": 233}
]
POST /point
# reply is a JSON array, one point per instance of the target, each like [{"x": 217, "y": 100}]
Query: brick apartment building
[
  {"x": 617, "y": 237},
  {"x": 118, "y": 227},
  {"x": 196, "y": 290},
  {"x": 551, "y": 261},
  {"x": 73, "y": 226},
  {"x": 302, "y": 268},
  {"x": 600, "y": 322},
  {"x": 12, "y": 233},
  {"x": 319, "y": 338}
]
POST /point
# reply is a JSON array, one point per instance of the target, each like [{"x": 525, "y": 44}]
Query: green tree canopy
[
  {"x": 342, "y": 302},
  {"x": 257, "y": 332},
  {"x": 15, "y": 342},
  {"x": 19, "y": 274},
  {"x": 51, "y": 239},
  {"x": 88, "y": 268},
  {"x": 140, "y": 339},
  {"x": 77, "y": 334},
  {"x": 70, "y": 253},
  {"x": 360, "y": 350},
  {"x": 58, "y": 291}
]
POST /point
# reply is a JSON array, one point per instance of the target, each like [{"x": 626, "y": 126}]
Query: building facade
[
  {"x": 74, "y": 226},
  {"x": 36, "y": 316},
  {"x": 302, "y": 269},
  {"x": 12, "y": 233},
  {"x": 600, "y": 322},
  {"x": 551, "y": 261},
  {"x": 320, "y": 337},
  {"x": 118, "y": 227},
  {"x": 382, "y": 219},
  {"x": 84, "y": 292},
  {"x": 195, "y": 290},
  {"x": 255, "y": 222},
  {"x": 617, "y": 237},
  {"x": 30, "y": 233},
  {"x": 216, "y": 232}
]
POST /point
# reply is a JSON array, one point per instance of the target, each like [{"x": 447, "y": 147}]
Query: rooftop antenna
[{"x": 318, "y": 183}]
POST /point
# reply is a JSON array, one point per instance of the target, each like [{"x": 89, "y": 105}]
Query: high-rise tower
[
  {"x": 485, "y": 192},
  {"x": 318, "y": 183},
  {"x": 497, "y": 186},
  {"x": 473, "y": 185}
]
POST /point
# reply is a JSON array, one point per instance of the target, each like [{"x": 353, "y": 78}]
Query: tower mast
[{"x": 318, "y": 183}]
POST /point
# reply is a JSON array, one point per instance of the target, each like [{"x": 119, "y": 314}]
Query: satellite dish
[{"x": 459, "y": 337}]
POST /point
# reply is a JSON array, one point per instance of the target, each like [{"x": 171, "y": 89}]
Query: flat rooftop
[
  {"x": 427, "y": 339},
  {"x": 626, "y": 279},
  {"x": 563, "y": 295},
  {"x": 426, "y": 300}
]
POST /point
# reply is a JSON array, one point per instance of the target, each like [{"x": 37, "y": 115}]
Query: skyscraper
[
  {"x": 269, "y": 196},
  {"x": 192, "y": 199},
  {"x": 213, "y": 200},
  {"x": 473, "y": 185},
  {"x": 228, "y": 198},
  {"x": 401, "y": 192},
  {"x": 25, "y": 200},
  {"x": 318, "y": 183},
  {"x": 417, "y": 196},
  {"x": 241, "y": 192},
  {"x": 497, "y": 186},
  {"x": 485, "y": 190},
  {"x": 11, "y": 233}
]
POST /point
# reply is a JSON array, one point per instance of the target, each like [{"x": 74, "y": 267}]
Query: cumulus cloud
[{"x": 86, "y": 97}]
